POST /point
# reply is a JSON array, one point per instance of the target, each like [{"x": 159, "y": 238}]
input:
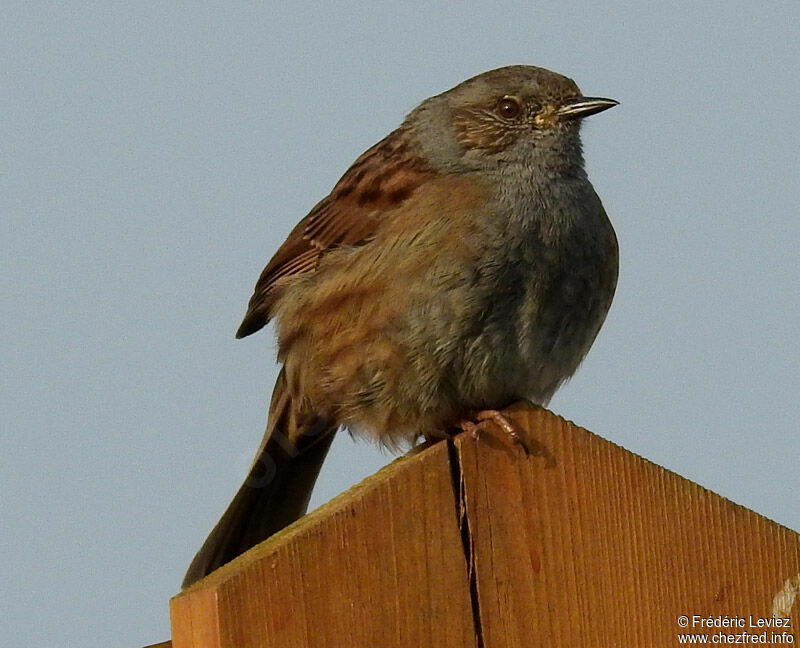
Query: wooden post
[{"x": 473, "y": 543}]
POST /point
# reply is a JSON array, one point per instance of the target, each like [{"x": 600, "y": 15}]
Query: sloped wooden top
[{"x": 475, "y": 543}]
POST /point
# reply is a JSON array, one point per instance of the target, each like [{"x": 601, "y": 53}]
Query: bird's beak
[{"x": 580, "y": 107}]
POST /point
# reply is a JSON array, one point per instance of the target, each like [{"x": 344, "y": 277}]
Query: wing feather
[{"x": 380, "y": 180}]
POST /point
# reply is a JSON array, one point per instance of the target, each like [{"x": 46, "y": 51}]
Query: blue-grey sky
[{"x": 154, "y": 155}]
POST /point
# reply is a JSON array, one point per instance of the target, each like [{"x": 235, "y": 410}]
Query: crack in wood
[{"x": 462, "y": 519}]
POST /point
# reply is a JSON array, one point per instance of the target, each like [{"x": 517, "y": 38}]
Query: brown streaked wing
[{"x": 377, "y": 182}]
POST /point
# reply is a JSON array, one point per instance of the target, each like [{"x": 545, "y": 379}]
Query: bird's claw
[{"x": 474, "y": 428}]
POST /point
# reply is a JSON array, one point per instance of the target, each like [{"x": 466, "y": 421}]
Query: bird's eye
[{"x": 509, "y": 108}]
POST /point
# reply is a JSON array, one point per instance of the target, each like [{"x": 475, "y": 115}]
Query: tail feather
[{"x": 277, "y": 489}]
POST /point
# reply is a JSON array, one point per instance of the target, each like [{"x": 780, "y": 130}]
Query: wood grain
[
  {"x": 381, "y": 565},
  {"x": 473, "y": 543}
]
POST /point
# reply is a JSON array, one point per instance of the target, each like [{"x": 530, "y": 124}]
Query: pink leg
[
  {"x": 471, "y": 427},
  {"x": 500, "y": 420}
]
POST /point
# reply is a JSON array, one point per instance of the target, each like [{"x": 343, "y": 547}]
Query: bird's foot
[{"x": 475, "y": 427}]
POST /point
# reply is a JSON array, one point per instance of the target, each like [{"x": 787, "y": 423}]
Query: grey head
[{"x": 516, "y": 114}]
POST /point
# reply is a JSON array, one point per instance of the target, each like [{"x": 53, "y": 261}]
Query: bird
[{"x": 462, "y": 263}]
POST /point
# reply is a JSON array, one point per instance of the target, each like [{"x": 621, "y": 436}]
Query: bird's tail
[{"x": 277, "y": 488}]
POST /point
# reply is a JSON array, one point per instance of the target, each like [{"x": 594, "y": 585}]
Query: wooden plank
[
  {"x": 195, "y": 620},
  {"x": 584, "y": 543},
  {"x": 473, "y": 543},
  {"x": 381, "y": 565}
]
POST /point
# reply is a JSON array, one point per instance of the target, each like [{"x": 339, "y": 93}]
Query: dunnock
[{"x": 460, "y": 264}]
